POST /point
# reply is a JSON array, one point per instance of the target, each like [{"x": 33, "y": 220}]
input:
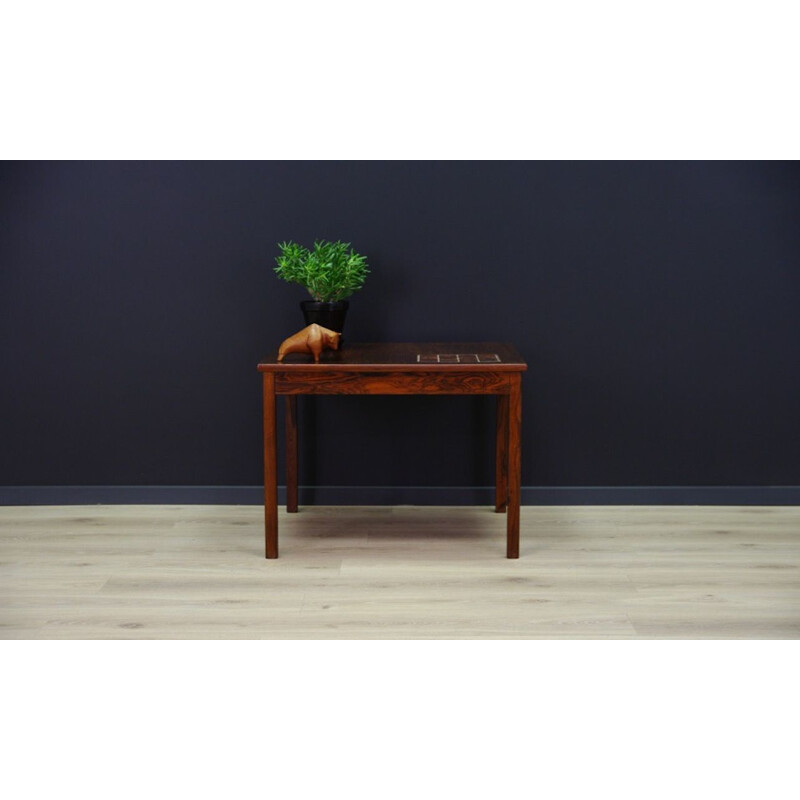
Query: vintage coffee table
[{"x": 408, "y": 368}]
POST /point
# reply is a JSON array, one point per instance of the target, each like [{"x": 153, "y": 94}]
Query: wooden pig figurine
[{"x": 312, "y": 339}]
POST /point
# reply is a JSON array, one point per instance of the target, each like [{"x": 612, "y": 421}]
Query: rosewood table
[{"x": 442, "y": 368}]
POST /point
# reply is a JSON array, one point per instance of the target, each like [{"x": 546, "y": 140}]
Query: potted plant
[{"x": 331, "y": 271}]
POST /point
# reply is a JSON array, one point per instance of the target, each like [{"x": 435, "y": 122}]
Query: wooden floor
[{"x": 198, "y": 572}]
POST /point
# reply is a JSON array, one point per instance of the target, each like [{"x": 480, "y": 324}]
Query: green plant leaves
[{"x": 330, "y": 271}]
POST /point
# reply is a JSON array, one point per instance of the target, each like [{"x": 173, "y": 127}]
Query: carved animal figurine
[{"x": 312, "y": 339}]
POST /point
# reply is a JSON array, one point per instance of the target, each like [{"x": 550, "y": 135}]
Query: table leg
[
  {"x": 270, "y": 468},
  {"x": 291, "y": 453},
  {"x": 501, "y": 454},
  {"x": 514, "y": 465}
]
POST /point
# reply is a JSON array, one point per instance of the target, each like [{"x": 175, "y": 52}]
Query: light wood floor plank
[{"x": 198, "y": 572}]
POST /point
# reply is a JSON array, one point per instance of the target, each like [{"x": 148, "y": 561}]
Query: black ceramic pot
[{"x": 329, "y": 315}]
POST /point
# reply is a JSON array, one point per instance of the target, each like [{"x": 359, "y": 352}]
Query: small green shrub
[{"x": 331, "y": 271}]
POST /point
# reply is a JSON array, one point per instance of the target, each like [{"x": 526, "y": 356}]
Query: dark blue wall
[{"x": 657, "y": 305}]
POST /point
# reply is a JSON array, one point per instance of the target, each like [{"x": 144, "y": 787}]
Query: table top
[{"x": 406, "y": 357}]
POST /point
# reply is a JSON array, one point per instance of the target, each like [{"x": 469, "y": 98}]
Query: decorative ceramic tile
[{"x": 458, "y": 358}]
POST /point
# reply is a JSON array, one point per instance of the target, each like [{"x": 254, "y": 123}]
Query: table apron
[{"x": 315, "y": 382}]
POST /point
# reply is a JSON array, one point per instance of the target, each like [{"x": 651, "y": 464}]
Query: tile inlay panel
[{"x": 458, "y": 358}]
